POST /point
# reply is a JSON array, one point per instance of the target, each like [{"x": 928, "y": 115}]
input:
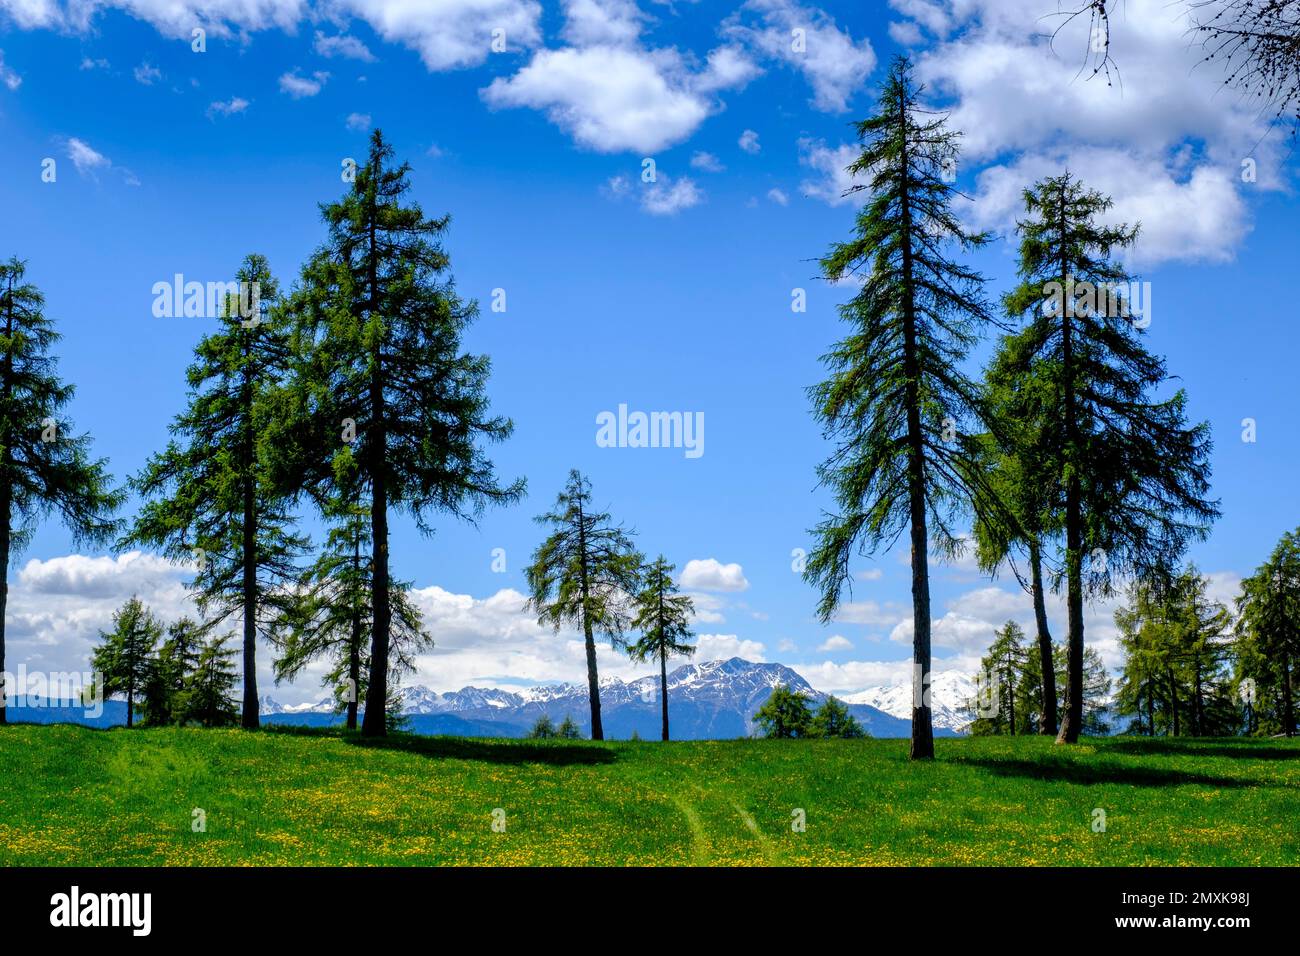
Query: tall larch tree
[
  {"x": 208, "y": 496},
  {"x": 663, "y": 617},
  {"x": 1129, "y": 475},
  {"x": 1268, "y": 628},
  {"x": 896, "y": 396},
  {"x": 584, "y": 573},
  {"x": 45, "y": 466},
  {"x": 380, "y": 376},
  {"x": 124, "y": 659},
  {"x": 331, "y": 613}
]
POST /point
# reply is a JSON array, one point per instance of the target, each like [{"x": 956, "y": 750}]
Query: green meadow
[{"x": 189, "y": 797}]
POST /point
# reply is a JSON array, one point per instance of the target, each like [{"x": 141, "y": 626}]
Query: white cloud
[
  {"x": 749, "y": 142},
  {"x": 709, "y": 574},
  {"x": 608, "y": 99},
  {"x": 706, "y": 163},
  {"x": 869, "y": 613},
  {"x": 235, "y": 104},
  {"x": 147, "y": 73},
  {"x": 778, "y": 197},
  {"x": 343, "y": 45},
  {"x": 299, "y": 87},
  {"x": 831, "y": 166},
  {"x": 447, "y": 34},
  {"x": 1164, "y": 140},
  {"x": 836, "y": 642},
  {"x": 609, "y": 91},
  {"x": 806, "y": 39},
  {"x": 358, "y": 122},
  {"x": 666, "y": 197},
  {"x": 7, "y": 76},
  {"x": 86, "y": 158},
  {"x": 92, "y": 64},
  {"x": 870, "y": 574},
  {"x": 716, "y": 647}
]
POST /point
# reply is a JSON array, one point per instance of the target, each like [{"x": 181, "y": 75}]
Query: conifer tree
[
  {"x": 584, "y": 573},
  {"x": 124, "y": 658},
  {"x": 785, "y": 715},
  {"x": 896, "y": 394},
  {"x": 1128, "y": 475},
  {"x": 380, "y": 374},
  {"x": 331, "y": 615},
  {"x": 208, "y": 690},
  {"x": 664, "y": 619},
  {"x": 833, "y": 720},
  {"x": 1268, "y": 630},
  {"x": 170, "y": 669},
  {"x": 45, "y": 466},
  {"x": 209, "y": 496},
  {"x": 1002, "y": 670}
]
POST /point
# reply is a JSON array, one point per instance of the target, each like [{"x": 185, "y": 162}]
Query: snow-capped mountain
[
  {"x": 951, "y": 693},
  {"x": 708, "y": 700}
]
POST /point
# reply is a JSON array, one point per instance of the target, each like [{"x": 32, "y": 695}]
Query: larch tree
[
  {"x": 1268, "y": 628},
  {"x": 124, "y": 659},
  {"x": 380, "y": 376},
  {"x": 209, "y": 498},
  {"x": 1128, "y": 475},
  {"x": 45, "y": 466},
  {"x": 896, "y": 395},
  {"x": 1017, "y": 519},
  {"x": 663, "y": 617},
  {"x": 584, "y": 573},
  {"x": 330, "y": 616}
]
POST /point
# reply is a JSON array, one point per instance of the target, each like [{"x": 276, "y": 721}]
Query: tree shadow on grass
[
  {"x": 1089, "y": 774},
  {"x": 1226, "y": 747},
  {"x": 465, "y": 748}
]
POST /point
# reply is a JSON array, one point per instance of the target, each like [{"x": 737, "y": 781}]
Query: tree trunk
[
  {"x": 250, "y": 717},
  {"x": 375, "y": 721},
  {"x": 1173, "y": 700},
  {"x": 922, "y": 747},
  {"x": 354, "y": 647},
  {"x": 663, "y": 688},
  {"x": 130, "y": 706},
  {"x": 1288, "y": 708},
  {"x": 1072, "y": 725},
  {"x": 5, "y": 538},
  {"x": 375, "y": 724},
  {"x": 1047, "y": 720},
  {"x": 593, "y": 680}
]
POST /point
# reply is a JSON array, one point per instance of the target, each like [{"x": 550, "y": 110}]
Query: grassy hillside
[{"x": 73, "y": 795}]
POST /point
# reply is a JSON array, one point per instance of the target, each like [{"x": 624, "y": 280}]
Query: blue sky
[{"x": 668, "y": 296}]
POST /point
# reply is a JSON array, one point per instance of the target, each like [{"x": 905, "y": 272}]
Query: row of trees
[
  {"x": 1064, "y": 459},
  {"x": 351, "y": 395},
  {"x": 1010, "y": 697},
  {"x": 588, "y": 573},
  {"x": 182, "y": 679},
  {"x": 786, "y": 715}
]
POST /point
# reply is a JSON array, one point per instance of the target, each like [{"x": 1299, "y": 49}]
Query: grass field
[{"x": 71, "y": 795}]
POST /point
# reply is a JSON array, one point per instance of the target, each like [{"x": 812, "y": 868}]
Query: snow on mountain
[{"x": 951, "y": 693}]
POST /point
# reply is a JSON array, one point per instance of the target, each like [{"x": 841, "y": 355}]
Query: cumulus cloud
[
  {"x": 357, "y": 122},
  {"x": 343, "y": 45},
  {"x": 300, "y": 87},
  {"x": 706, "y": 163},
  {"x": 778, "y": 196},
  {"x": 1165, "y": 141},
  {"x": 7, "y": 76},
  {"x": 609, "y": 91},
  {"x": 832, "y": 181},
  {"x": 749, "y": 142},
  {"x": 447, "y": 34},
  {"x": 836, "y": 642},
  {"x": 715, "y": 647},
  {"x": 236, "y": 104},
  {"x": 147, "y": 74},
  {"x": 808, "y": 40},
  {"x": 710, "y": 574},
  {"x": 666, "y": 197},
  {"x": 85, "y": 157}
]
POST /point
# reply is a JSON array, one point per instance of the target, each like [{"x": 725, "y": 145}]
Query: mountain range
[{"x": 709, "y": 700}]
